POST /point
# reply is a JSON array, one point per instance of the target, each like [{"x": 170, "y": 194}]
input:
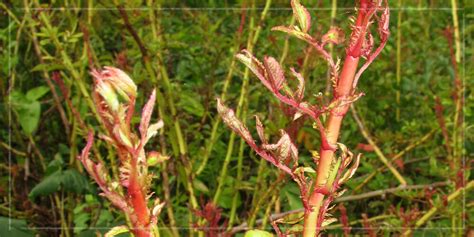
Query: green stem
[
  {"x": 240, "y": 160},
  {"x": 457, "y": 35},
  {"x": 286, "y": 45},
  {"x": 258, "y": 188},
  {"x": 331, "y": 47},
  {"x": 64, "y": 227},
  {"x": 268, "y": 210},
  {"x": 399, "y": 53}
]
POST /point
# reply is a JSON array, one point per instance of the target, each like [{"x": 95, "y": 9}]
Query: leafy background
[{"x": 190, "y": 47}]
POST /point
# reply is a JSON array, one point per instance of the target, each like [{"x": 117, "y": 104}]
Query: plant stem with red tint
[{"x": 343, "y": 89}]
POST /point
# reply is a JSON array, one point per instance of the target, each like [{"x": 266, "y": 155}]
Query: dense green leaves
[
  {"x": 69, "y": 180},
  {"x": 191, "y": 104},
  {"x": 14, "y": 227},
  {"x": 28, "y": 107}
]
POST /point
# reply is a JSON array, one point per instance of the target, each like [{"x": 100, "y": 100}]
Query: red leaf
[
  {"x": 365, "y": 147},
  {"x": 146, "y": 115},
  {"x": 85, "y": 152},
  {"x": 291, "y": 30},
  {"x": 255, "y": 66},
  {"x": 260, "y": 130},
  {"x": 300, "y": 91},
  {"x": 229, "y": 118},
  {"x": 334, "y": 36},
  {"x": 275, "y": 72},
  {"x": 302, "y": 15},
  {"x": 399, "y": 163}
]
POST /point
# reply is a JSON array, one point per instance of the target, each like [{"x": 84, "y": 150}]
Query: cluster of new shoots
[{"x": 114, "y": 95}]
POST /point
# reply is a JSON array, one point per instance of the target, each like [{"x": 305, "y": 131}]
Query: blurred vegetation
[{"x": 185, "y": 49}]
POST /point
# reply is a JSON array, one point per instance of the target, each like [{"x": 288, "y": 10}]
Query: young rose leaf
[
  {"x": 334, "y": 36},
  {"x": 284, "y": 148},
  {"x": 153, "y": 130},
  {"x": 117, "y": 230},
  {"x": 300, "y": 91},
  {"x": 275, "y": 72},
  {"x": 302, "y": 15},
  {"x": 121, "y": 82},
  {"x": 315, "y": 156},
  {"x": 255, "y": 66},
  {"x": 121, "y": 137},
  {"x": 153, "y": 158},
  {"x": 146, "y": 116},
  {"x": 95, "y": 170},
  {"x": 340, "y": 102},
  {"x": 106, "y": 91},
  {"x": 229, "y": 118},
  {"x": 305, "y": 170},
  {"x": 297, "y": 115},
  {"x": 340, "y": 193},
  {"x": 367, "y": 46},
  {"x": 351, "y": 170},
  {"x": 328, "y": 221},
  {"x": 384, "y": 23},
  {"x": 85, "y": 152},
  {"x": 260, "y": 130},
  {"x": 158, "y": 207},
  {"x": 333, "y": 171},
  {"x": 291, "y": 30},
  {"x": 124, "y": 174}
]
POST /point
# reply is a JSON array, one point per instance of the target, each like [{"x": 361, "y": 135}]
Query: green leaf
[
  {"x": 37, "y": 92},
  {"x": 257, "y": 233},
  {"x": 28, "y": 111},
  {"x": 70, "y": 180},
  {"x": 81, "y": 219},
  {"x": 47, "y": 67},
  {"x": 191, "y": 104},
  {"x": 227, "y": 197},
  {"x": 17, "y": 228},
  {"x": 105, "y": 218},
  {"x": 290, "y": 192},
  {"x": 47, "y": 186},
  {"x": 200, "y": 186},
  {"x": 293, "y": 200},
  {"x": 55, "y": 165},
  {"x": 29, "y": 116}
]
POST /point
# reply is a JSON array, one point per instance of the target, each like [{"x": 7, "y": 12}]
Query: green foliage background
[{"x": 43, "y": 187}]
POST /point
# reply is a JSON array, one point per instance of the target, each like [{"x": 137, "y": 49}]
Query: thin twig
[
  {"x": 428, "y": 215},
  {"x": 396, "y": 157},
  {"x": 13, "y": 150},
  {"x": 132, "y": 31},
  {"x": 379, "y": 153}
]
